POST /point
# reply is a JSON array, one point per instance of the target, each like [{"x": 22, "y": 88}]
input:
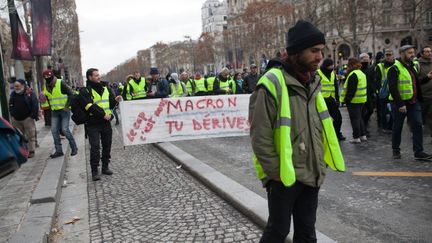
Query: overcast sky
[{"x": 113, "y": 31}]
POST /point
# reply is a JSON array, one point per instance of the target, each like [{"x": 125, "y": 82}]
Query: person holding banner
[
  {"x": 292, "y": 136},
  {"x": 159, "y": 88},
  {"x": 136, "y": 88},
  {"x": 98, "y": 101},
  {"x": 190, "y": 85},
  {"x": 178, "y": 88},
  {"x": 222, "y": 84}
]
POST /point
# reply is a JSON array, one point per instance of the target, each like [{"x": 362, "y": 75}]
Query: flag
[
  {"x": 42, "y": 27},
  {"x": 21, "y": 46}
]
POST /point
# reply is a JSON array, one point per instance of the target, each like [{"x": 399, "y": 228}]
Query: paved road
[
  {"x": 351, "y": 208},
  {"x": 149, "y": 200}
]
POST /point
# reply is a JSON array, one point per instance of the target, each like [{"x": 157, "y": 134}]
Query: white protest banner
[{"x": 172, "y": 119}]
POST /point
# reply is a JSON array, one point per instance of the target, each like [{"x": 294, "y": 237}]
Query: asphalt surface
[
  {"x": 351, "y": 208},
  {"x": 149, "y": 199}
]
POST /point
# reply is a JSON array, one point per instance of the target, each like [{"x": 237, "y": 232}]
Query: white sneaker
[
  {"x": 363, "y": 138},
  {"x": 355, "y": 140}
]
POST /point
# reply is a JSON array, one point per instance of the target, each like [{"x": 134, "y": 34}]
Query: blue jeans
[
  {"x": 60, "y": 120},
  {"x": 414, "y": 114}
]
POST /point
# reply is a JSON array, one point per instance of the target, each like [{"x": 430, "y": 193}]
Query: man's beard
[{"x": 307, "y": 66}]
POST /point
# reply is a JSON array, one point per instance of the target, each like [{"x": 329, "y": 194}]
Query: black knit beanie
[
  {"x": 303, "y": 35},
  {"x": 327, "y": 63}
]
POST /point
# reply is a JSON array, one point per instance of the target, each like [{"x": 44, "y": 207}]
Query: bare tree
[{"x": 66, "y": 41}]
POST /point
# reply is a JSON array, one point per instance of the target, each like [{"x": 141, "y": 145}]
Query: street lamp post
[{"x": 334, "y": 44}]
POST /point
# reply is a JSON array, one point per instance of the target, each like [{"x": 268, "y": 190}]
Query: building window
[
  {"x": 429, "y": 17},
  {"x": 386, "y": 19},
  {"x": 408, "y": 18},
  {"x": 387, "y": 4}
]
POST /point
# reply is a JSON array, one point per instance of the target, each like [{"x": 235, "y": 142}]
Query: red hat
[{"x": 47, "y": 73}]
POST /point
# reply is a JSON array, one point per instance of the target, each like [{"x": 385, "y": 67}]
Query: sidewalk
[{"x": 16, "y": 189}]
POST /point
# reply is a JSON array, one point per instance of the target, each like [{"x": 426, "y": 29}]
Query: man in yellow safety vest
[
  {"x": 58, "y": 95},
  {"x": 292, "y": 136},
  {"x": 405, "y": 96},
  {"x": 98, "y": 101}
]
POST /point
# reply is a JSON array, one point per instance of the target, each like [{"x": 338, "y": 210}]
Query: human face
[
  {"x": 389, "y": 57},
  {"x": 18, "y": 87},
  {"x": 155, "y": 77},
  {"x": 137, "y": 75},
  {"x": 254, "y": 70},
  {"x": 427, "y": 52},
  {"x": 95, "y": 77},
  {"x": 330, "y": 68},
  {"x": 365, "y": 59},
  {"x": 311, "y": 57},
  {"x": 408, "y": 55}
]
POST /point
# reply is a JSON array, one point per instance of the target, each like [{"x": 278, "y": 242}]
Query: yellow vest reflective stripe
[
  {"x": 224, "y": 85},
  {"x": 360, "y": 95},
  {"x": 200, "y": 85},
  {"x": 139, "y": 90},
  {"x": 233, "y": 85},
  {"x": 102, "y": 102},
  {"x": 274, "y": 82},
  {"x": 405, "y": 85},
  {"x": 174, "y": 92},
  {"x": 189, "y": 87},
  {"x": 210, "y": 82},
  {"x": 45, "y": 105},
  {"x": 57, "y": 99},
  {"x": 327, "y": 86}
]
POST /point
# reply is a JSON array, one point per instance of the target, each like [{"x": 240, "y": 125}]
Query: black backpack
[{"x": 79, "y": 115}]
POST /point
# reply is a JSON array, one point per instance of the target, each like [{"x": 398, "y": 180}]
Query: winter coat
[
  {"x": 306, "y": 131},
  {"x": 31, "y": 101},
  {"x": 425, "y": 82}
]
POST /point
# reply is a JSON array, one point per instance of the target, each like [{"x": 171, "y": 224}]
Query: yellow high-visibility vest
[
  {"x": 360, "y": 95},
  {"x": 274, "y": 82},
  {"x": 327, "y": 85},
  {"x": 56, "y": 98}
]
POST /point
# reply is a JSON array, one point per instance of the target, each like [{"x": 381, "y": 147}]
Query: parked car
[{"x": 13, "y": 152}]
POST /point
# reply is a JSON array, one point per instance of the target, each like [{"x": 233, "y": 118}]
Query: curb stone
[{"x": 249, "y": 203}]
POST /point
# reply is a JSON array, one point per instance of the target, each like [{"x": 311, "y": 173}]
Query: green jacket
[{"x": 306, "y": 132}]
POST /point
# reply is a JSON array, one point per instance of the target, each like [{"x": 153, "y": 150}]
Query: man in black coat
[{"x": 98, "y": 127}]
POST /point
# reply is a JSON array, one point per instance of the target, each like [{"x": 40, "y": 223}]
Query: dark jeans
[
  {"x": 98, "y": 134},
  {"x": 414, "y": 114},
  {"x": 301, "y": 202},
  {"x": 114, "y": 111},
  {"x": 60, "y": 122},
  {"x": 357, "y": 124},
  {"x": 333, "y": 109},
  {"x": 386, "y": 117},
  {"x": 367, "y": 111},
  {"x": 427, "y": 114},
  {"x": 47, "y": 117}
]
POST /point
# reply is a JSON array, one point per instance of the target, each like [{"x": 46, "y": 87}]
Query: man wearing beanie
[
  {"x": 159, "y": 88},
  {"x": 292, "y": 136},
  {"x": 330, "y": 92}
]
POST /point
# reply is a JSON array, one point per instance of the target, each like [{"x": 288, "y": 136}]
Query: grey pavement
[
  {"x": 351, "y": 208},
  {"x": 149, "y": 199},
  {"x": 16, "y": 189},
  {"x": 28, "y": 196},
  {"x": 73, "y": 201}
]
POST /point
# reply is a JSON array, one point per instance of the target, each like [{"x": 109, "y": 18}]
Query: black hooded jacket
[{"x": 96, "y": 112}]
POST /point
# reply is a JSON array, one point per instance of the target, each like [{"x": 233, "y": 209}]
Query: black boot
[
  {"x": 95, "y": 174},
  {"x": 106, "y": 170}
]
